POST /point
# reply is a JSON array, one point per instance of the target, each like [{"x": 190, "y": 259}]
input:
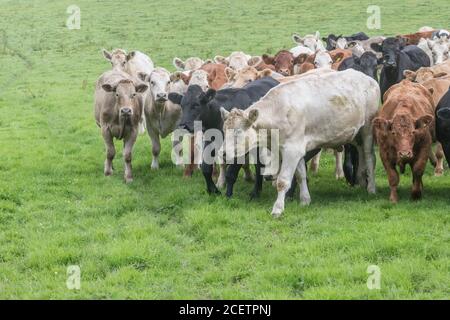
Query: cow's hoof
[
  {"x": 305, "y": 201},
  {"x": 128, "y": 180},
  {"x": 438, "y": 173},
  {"x": 416, "y": 195},
  {"x": 155, "y": 165},
  {"x": 276, "y": 213},
  {"x": 339, "y": 176},
  {"x": 254, "y": 195},
  {"x": 108, "y": 173},
  {"x": 393, "y": 200}
]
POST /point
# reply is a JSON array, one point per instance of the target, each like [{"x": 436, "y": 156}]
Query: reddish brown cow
[
  {"x": 414, "y": 38},
  {"x": 216, "y": 75},
  {"x": 283, "y": 62},
  {"x": 339, "y": 55},
  {"x": 404, "y": 131},
  {"x": 259, "y": 64}
]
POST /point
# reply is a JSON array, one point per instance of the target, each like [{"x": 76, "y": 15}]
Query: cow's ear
[
  {"x": 317, "y": 35},
  {"x": 175, "y": 76},
  {"x": 264, "y": 73},
  {"x": 439, "y": 74},
  {"x": 409, "y": 75},
  {"x": 141, "y": 87},
  {"x": 109, "y": 88},
  {"x": 207, "y": 61},
  {"x": 224, "y": 113},
  {"x": 431, "y": 90},
  {"x": 143, "y": 76},
  {"x": 208, "y": 96},
  {"x": 301, "y": 58},
  {"x": 297, "y": 39},
  {"x": 220, "y": 59},
  {"x": 254, "y": 61},
  {"x": 175, "y": 97},
  {"x": 381, "y": 124},
  {"x": 230, "y": 73},
  {"x": 338, "y": 57},
  {"x": 424, "y": 121},
  {"x": 178, "y": 63},
  {"x": 376, "y": 47},
  {"x": 268, "y": 59},
  {"x": 130, "y": 55},
  {"x": 351, "y": 44},
  {"x": 107, "y": 55},
  {"x": 252, "y": 116},
  {"x": 430, "y": 43},
  {"x": 186, "y": 78}
]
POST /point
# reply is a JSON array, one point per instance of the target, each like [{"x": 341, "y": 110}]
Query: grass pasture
[{"x": 163, "y": 236}]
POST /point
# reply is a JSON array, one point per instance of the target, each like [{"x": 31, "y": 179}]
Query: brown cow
[
  {"x": 339, "y": 55},
  {"x": 283, "y": 62},
  {"x": 118, "y": 110},
  {"x": 427, "y": 73},
  {"x": 404, "y": 131},
  {"x": 414, "y": 38}
]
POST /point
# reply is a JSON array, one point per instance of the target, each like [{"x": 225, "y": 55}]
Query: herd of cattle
[{"x": 322, "y": 93}]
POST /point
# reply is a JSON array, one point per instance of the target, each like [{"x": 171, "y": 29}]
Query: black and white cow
[
  {"x": 443, "y": 124},
  {"x": 332, "y": 39},
  {"x": 396, "y": 59},
  {"x": 205, "y": 107}
]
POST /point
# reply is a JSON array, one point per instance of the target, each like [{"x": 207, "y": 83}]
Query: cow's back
[{"x": 417, "y": 56}]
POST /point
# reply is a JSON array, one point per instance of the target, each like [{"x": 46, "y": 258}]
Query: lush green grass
[{"x": 162, "y": 236}]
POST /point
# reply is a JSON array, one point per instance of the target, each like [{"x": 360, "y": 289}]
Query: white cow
[
  {"x": 190, "y": 64},
  {"x": 423, "y": 44},
  {"x": 321, "y": 110},
  {"x": 162, "y": 116}
]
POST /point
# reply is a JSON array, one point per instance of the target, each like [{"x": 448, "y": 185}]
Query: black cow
[
  {"x": 396, "y": 59},
  {"x": 443, "y": 124},
  {"x": 332, "y": 39},
  {"x": 205, "y": 107},
  {"x": 366, "y": 64}
]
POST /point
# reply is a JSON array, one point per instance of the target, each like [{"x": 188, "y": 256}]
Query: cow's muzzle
[
  {"x": 405, "y": 155},
  {"x": 161, "y": 97},
  {"x": 126, "y": 112}
]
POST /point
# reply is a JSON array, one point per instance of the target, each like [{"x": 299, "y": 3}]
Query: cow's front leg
[
  {"x": 290, "y": 156},
  {"x": 258, "y": 181},
  {"x": 221, "y": 180},
  {"x": 177, "y": 148},
  {"x": 305, "y": 197},
  {"x": 207, "y": 170},
  {"x": 248, "y": 175},
  {"x": 418, "y": 168},
  {"x": 439, "y": 169},
  {"x": 315, "y": 161},
  {"x": 339, "y": 171},
  {"x": 369, "y": 158},
  {"x": 110, "y": 151},
  {"x": 232, "y": 173},
  {"x": 127, "y": 155},
  {"x": 156, "y": 145}
]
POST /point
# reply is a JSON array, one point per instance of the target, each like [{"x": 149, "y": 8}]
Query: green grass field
[{"x": 163, "y": 237}]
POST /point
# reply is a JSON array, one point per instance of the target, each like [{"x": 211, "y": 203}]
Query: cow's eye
[
  {"x": 133, "y": 95},
  {"x": 152, "y": 83},
  {"x": 117, "y": 95}
]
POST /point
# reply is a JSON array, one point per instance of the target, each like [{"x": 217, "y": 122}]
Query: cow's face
[
  {"x": 422, "y": 75},
  {"x": 368, "y": 64},
  {"x": 200, "y": 78},
  {"x": 283, "y": 62},
  {"x": 402, "y": 132},
  {"x": 126, "y": 105},
  {"x": 190, "y": 106},
  {"x": 390, "y": 48},
  {"x": 159, "y": 81},
  {"x": 322, "y": 60},
  {"x": 440, "y": 49},
  {"x": 239, "y": 79},
  {"x": 192, "y": 63},
  {"x": 238, "y": 60},
  {"x": 118, "y": 58}
]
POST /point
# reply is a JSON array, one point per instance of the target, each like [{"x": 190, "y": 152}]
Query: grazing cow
[
  {"x": 190, "y": 64},
  {"x": 443, "y": 124},
  {"x": 426, "y": 73},
  {"x": 205, "y": 107},
  {"x": 414, "y": 38},
  {"x": 283, "y": 62},
  {"x": 258, "y": 64},
  {"x": 332, "y": 40},
  {"x": 404, "y": 131},
  {"x": 312, "y": 42},
  {"x": 439, "y": 48},
  {"x": 118, "y": 108},
  {"x": 298, "y": 110},
  {"x": 238, "y": 79},
  {"x": 162, "y": 118},
  {"x": 236, "y": 60},
  {"x": 397, "y": 59}
]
